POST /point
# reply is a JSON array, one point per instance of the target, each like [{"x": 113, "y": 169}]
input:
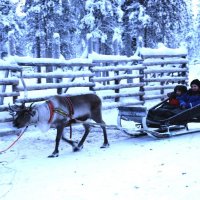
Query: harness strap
[
  {"x": 61, "y": 112},
  {"x": 70, "y": 106},
  {"x": 51, "y": 109},
  {"x": 71, "y": 112}
]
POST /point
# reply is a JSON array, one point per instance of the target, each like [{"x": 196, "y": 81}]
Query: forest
[{"x": 111, "y": 27}]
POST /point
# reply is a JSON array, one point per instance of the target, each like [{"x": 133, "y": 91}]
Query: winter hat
[
  {"x": 195, "y": 82},
  {"x": 181, "y": 88}
]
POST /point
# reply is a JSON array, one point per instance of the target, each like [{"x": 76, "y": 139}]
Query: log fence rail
[{"x": 119, "y": 80}]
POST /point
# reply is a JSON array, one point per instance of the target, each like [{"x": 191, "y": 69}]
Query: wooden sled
[{"x": 172, "y": 126}]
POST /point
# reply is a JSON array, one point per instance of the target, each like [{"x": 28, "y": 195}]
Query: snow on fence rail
[
  {"x": 119, "y": 80},
  {"x": 164, "y": 67}
]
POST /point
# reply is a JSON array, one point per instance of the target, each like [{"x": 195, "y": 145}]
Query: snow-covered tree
[
  {"x": 101, "y": 23},
  {"x": 8, "y": 22},
  {"x": 169, "y": 20},
  {"x": 196, "y": 33},
  {"x": 44, "y": 18},
  {"x": 40, "y": 23},
  {"x": 135, "y": 20},
  {"x": 114, "y": 26}
]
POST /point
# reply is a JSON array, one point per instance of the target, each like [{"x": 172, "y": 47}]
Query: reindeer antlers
[{"x": 16, "y": 108}]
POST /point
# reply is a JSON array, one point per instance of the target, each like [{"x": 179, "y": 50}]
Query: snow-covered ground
[{"x": 131, "y": 168}]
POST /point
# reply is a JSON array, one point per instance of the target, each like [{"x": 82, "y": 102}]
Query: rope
[
  {"x": 20, "y": 135},
  {"x": 71, "y": 112}
]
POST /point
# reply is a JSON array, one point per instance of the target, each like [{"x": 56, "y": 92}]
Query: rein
[
  {"x": 20, "y": 135},
  {"x": 61, "y": 112}
]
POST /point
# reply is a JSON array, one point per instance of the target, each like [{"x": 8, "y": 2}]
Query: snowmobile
[{"x": 160, "y": 121}]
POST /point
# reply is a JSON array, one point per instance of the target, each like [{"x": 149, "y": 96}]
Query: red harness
[{"x": 52, "y": 110}]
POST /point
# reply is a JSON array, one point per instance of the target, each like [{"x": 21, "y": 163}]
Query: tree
[
  {"x": 196, "y": 34},
  {"x": 135, "y": 20},
  {"x": 101, "y": 22},
  {"x": 40, "y": 23},
  {"x": 168, "y": 19},
  {"x": 8, "y": 22},
  {"x": 44, "y": 18}
]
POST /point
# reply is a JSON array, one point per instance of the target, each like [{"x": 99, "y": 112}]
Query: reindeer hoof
[
  {"x": 53, "y": 155},
  {"x": 105, "y": 146},
  {"x": 77, "y": 148}
]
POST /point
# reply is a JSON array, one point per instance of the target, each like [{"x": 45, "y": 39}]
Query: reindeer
[{"x": 59, "y": 112}]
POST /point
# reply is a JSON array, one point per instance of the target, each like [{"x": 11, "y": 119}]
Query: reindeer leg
[
  {"x": 71, "y": 142},
  {"x": 105, "y": 143},
  {"x": 80, "y": 144},
  {"x": 58, "y": 136},
  {"x": 97, "y": 117}
]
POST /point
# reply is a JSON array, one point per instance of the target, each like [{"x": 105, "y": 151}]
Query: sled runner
[{"x": 160, "y": 121}]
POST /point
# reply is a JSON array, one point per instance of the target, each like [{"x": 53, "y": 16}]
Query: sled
[{"x": 174, "y": 125}]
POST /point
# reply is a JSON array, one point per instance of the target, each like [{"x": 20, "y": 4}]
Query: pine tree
[
  {"x": 101, "y": 22},
  {"x": 44, "y": 18},
  {"x": 40, "y": 23},
  {"x": 135, "y": 20},
  {"x": 8, "y": 22},
  {"x": 168, "y": 19},
  {"x": 196, "y": 33}
]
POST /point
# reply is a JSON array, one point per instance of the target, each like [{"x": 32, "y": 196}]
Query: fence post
[
  {"x": 11, "y": 52},
  {"x": 90, "y": 46},
  {"x": 141, "y": 80},
  {"x": 184, "y": 74},
  {"x": 56, "y": 54},
  {"x": 91, "y": 88},
  {"x": 162, "y": 83},
  {"x": 56, "y": 45},
  {"x": 11, "y": 43},
  {"x": 117, "y": 82},
  {"x": 48, "y": 54},
  {"x": 38, "y": 55}
]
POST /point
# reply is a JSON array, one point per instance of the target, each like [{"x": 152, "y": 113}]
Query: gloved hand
[
  {"x": 183, "y": 105},
  {"x": 188, "y": 105}
]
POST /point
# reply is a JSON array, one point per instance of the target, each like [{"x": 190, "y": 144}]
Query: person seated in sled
[
  {"x": 192, "y": 97},
  {"x": 170, "y": 107},
  {"x": 174, "y": 96}
]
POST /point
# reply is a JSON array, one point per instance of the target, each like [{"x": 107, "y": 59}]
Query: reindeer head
[{"x": 21, "y": 115}]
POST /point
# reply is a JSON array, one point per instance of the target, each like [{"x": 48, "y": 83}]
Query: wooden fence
[{"x": 119, "y": 80}]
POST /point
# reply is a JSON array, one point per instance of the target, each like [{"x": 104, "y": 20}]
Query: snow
[
  {"x": 50, "y": 60},
  {"x": 132, "y": 168},
  {"x": 162, "y": 50},
  {"x": 140, "y": 168},
  {"x": 95, "y": 56}
]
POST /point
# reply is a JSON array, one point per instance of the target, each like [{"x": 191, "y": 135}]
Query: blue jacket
[{"x": 189, "y": 99}]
